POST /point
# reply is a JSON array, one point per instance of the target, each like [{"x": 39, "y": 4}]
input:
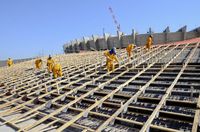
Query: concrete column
[
  {"x": 134, "y": 35},
  {"x": 94, "y": 38},
  {"x": 120, "y": 34},
  {"x": 106, "y": 36},
  {"x": 97, "y": 45},
  {"x": 166, "y": 31},
  {"x": 183, "y": 30},
  {"x": 77, "y": 48},
  {"x": 72, "y": 48},
  {"x": 196, "y": 31},
  {"x": 85, "y": 42}
]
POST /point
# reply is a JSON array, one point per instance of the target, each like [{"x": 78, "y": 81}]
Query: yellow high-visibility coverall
[
  {"x": 50, "y": 63},
  {"x": 10, "y": 62},
  {"x": 149, "y": 42},
  {"x": 110, "y": 59},
  {"x": 38, "y": 63},
  {"x": 57, "y": 70},
  {"x": 129, "y": 49}
]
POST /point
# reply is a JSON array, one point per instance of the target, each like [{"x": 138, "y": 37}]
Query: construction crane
[{"x": 114, "y": 19}]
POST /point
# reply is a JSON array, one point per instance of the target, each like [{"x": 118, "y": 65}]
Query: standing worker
[
  {"x": 9, "y": 62},
  {"x": 57, "y": 70},
  {"x": 50, "y": 64},
  {"x": 149, "y": 42},
  {"x": 110, "y": 59},
  {"x": 38, "y": 63},
  {"x": 129, "y": 50}
]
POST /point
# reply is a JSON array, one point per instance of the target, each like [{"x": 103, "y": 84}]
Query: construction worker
[
  {"x": 110, "y": 59},
  {"x": 129, "y": 49},
  {"x": 38, "y": 63},
  {"x": 9, "y": 62},
  {"x": 149, "y": 42},
  {"x": 57, "y": 70},
  {"x": 50, "y": 64}
]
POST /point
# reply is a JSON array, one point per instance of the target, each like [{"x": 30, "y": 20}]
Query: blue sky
[{"x": 29, "y": 28}]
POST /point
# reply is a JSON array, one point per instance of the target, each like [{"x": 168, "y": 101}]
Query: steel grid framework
[{"x": 157, "y": 90}]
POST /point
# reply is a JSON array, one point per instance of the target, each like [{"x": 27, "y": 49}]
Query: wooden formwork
[{"x": 152, "y": 78}]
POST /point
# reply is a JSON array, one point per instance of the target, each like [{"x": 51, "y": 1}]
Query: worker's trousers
[
  {"x": 110, "y": 66},
  {"x": 57, "y": 74},
  {"x": 50, "y": 68},
  {"x": 38, "y": 66},
  {"x": 148, "y": 46},
  {"x": 129, "y": 53}
]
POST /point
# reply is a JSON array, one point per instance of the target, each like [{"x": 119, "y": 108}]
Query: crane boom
[{"x": 114, "y": 19}]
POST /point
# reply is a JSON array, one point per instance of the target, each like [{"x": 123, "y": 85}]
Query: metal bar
[{"x": 156, "y": 110}]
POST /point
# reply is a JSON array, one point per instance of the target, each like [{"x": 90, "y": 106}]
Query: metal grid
[{"x": 156, "y": 91}]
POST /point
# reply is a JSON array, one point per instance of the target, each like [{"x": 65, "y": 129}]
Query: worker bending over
[
  {"x": 57, "y": 70},
  {"x": 129, "y": 50},
  {"x": 110, "y": 59},
  {"x": 50, "y": 64},
  {"x": 9, "y": 62},
  {"x": 149, "y": 42},
  {"x": 38, "y": 63}
]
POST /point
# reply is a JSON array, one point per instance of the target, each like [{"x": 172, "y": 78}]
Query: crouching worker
[
  {"x": 57, "y": 70},
  {"x": 111, "y": 58},
  {"x": 129, "y": 50},
  {"x": 50, "y": 64},
  {"x": 149, "y": 42},
  {"x": 38, "y": 63},
  {"x": 9, "y": 62}
]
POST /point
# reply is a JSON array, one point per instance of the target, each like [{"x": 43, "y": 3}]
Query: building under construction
[{"x": 158, "y": 90}]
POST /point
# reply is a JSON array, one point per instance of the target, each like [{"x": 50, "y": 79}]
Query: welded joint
[
  {"x": 49, "y": 89},
  {"x": 46, "y": 89},
  {"x": 125, "y": 109},
  {"x": 111, "y": 97},
  {"x": 112, "y": 122},
  {"x": 127, "y": 68},
  {"x": 86, "y": 114},
  {"x": 65, "y": 110},
  {"x": 164, "y": 103},
  {"x": 143, "y": 91},
  {"x": 92, "y": 93},
  {"x": 75, "y": 91},
  {"x": 28, "y": 91},
  {"x": 121, "y": 103},
  {"x": 101, "y": 87},
  {"x": 93, "y": 81},
  {"x": 63, "y": 98},
  {"x": 148, "y": 129},
  {"x": 48, "y": 104},
  {"x": 157, "y": 114},
  {"x": 37, "y": 93},
  {"x": 100, "y": 105}
]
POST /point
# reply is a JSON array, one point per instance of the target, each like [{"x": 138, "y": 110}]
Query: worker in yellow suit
[
  {"x": 38, "y": 63},
  {"x": 111, "y": 58},
  {"x": 129, "y": 49},
  {"x": 149, "y": 42},
  {"x": 57, "y": 70},
  {"x": 10, "y": 62},
  {"x": 50, "y": 64}
]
